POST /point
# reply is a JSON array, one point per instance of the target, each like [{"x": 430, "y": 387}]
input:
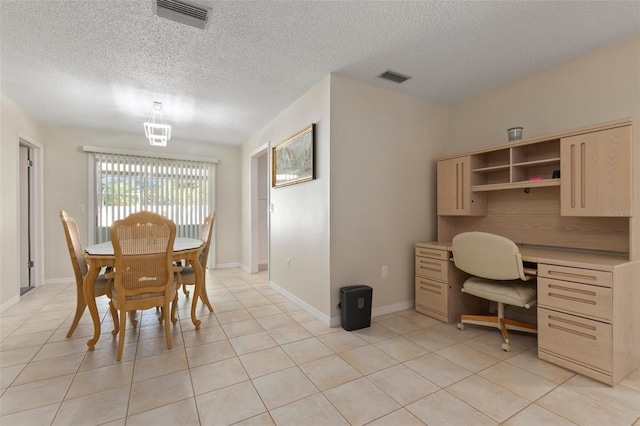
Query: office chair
[{"x": 498, "y": 275}]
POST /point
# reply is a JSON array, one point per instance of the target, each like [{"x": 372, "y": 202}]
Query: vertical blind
[{"x": 182, "y": 190}]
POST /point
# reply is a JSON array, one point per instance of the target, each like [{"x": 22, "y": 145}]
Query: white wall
[
  {"x": 383, "y": 189},
  {"x": 300, "y": 221},
  {"x": 14, "y": 121},
  {"x": 600, "y": 86},
  {"x": 66, "y": 170}
]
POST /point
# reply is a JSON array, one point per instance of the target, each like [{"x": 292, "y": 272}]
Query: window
[{"x": 182, "y": 189}]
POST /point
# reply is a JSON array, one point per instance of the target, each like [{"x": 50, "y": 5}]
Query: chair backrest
[
  {"x": 74, "y": 245},
  {"x": 143, "y": 251},
  {"x": 488, "y": 256},
  {"x": 205, "y": 235}
]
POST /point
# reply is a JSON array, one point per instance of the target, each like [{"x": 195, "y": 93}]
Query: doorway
[
  {"x": 30, "y": 214},
  {"x": 260, "y": 210}
]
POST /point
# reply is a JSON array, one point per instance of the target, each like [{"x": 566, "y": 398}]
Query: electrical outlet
[
  {"x": 289, "y": 263},
  {"x": 385, "y": 271}
]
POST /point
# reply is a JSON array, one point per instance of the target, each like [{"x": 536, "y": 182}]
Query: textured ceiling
[{"x": 102, "y": 63}]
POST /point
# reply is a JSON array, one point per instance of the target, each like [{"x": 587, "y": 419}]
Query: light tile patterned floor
[{"x": 261, "y": 360}]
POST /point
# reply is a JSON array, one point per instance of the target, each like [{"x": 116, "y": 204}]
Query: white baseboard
[
  {"x": 68, "y": 280},
  {"x": 304, "y": 305},
  {"x": 383, "y": 310},
  {"x": 229, "y": 265},
  {"x": 335, "y": 321},
  {"x": 9, "y": 303}
]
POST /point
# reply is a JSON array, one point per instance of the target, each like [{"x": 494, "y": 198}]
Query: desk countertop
[{"x": 555, "y": 256}]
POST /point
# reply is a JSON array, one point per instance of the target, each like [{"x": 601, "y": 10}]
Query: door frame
[
  {"x": 37, "y": 207},
  {"x": 254, "y": 251}
]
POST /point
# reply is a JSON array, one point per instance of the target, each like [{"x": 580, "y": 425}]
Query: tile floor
[{"x": 261, "y": 360}]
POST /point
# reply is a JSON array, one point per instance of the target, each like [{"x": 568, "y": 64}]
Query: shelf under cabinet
[
  {"x": 538, "y": 162},
  {"x": 491, "y": 169},
  {"x": 516, "y": 185}
]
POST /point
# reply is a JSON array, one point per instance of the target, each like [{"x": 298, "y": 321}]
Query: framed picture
[{"x": 293, "y": 159}]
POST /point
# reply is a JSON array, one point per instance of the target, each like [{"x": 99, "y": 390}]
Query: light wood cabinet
[
  {"x": 584, "y": 320},
  {"x": 438, "y": 282},
  {"x": 596, "y": 173},
  {"x": 454, "y": 189}
]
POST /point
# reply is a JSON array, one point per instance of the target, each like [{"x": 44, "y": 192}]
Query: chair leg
[
  {"x": 132, "y": 318},
  {"x": 80, "y": 306},
  {"x": 116, "y": 321},
  {"x": 204, "y": 297},
  {"x": 123, "y": 326},
  {"x": 174, "y": 308},
  {"x": 167, "y": 327}
]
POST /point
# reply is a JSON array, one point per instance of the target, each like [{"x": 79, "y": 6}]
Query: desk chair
[{"x": 498, "y": 275}]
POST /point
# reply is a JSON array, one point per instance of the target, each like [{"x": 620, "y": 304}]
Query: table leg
[
  {"x": 90, "y": 298},
  {"x": 197, "y": 268}
]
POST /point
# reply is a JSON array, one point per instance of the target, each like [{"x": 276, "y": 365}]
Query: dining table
[{"x": 102, "y": 255}]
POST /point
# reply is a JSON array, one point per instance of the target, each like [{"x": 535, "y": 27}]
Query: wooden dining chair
[
  {"x": 188, "y": 276},
  {"x": 144, "y": 275},
  {"x": 80, "y": 268}
]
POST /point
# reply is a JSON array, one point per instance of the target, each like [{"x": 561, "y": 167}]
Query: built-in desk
[{"x": 588, "y": 305}]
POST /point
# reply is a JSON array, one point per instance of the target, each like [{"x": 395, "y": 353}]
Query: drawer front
[
  {"x": 431, "y": 295},
  {"x": 431, "y": 268},
  {"x": 429, "y": 252},
  {"x": 581, "y": 299},
  {"x": 585, "y": 276},
  {"x": 575, "y": 339}
]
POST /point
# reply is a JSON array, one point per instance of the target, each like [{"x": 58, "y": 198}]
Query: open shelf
[
  {"x": 514, "y": 167},
  {"x": 516, "y": 185}
]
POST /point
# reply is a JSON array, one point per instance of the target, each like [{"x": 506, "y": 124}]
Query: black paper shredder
[{"x": 355, "y": 307}]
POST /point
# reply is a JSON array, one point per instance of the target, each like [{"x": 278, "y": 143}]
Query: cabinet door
[
  {"x": 454, "y": 188},
  {"x": 596, "y": 173}
]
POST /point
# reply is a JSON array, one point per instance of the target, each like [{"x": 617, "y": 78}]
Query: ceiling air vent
[
  {"x": 183, "y": 12},
  {"x": 394, "y": 76}
]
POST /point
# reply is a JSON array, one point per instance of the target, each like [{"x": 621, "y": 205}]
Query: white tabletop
[{"x": 106, "y": 248}]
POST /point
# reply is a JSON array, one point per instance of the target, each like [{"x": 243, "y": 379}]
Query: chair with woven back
[
  {"x": 188, "y": 276},
  {"x": 80, "y": 268},
  {"x": 144, "y": 274}
]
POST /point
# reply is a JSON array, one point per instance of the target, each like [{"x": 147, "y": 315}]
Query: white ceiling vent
[
  {"x": 394, "y": 76},
  {"x": 183, "y": 12}
]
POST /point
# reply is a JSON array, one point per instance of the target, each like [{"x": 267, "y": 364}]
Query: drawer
[
  {"x": 429, "y": 252},
  {"x": 581, "y": 299},
  {"x": 575, "y": 339},
  {"x": 431, "y": 295},
  {"x": 432, "y": 268},
  {"x": 579, "y": 275}
]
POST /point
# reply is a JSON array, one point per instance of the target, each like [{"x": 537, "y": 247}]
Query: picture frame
[{"x": 293, "y": 159}]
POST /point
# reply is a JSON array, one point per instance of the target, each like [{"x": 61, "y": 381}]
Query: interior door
[{"x": 26, "y": 262}]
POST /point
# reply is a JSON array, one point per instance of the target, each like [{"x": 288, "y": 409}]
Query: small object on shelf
[
  {"x": 514, "y": 133},
  {"x": 555, "y": 174},
  {"x": 535, "y": 178}
]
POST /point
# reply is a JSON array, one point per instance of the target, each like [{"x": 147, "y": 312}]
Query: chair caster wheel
[
  {"x": 506, "y": 347},
  {"x": 460, "y": 326}
]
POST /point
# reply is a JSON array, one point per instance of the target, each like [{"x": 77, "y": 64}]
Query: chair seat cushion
[
  {"x": 100, "y": 285},
  {"x": 516, "y": 293},
  {"x": 188, "y": 272}
]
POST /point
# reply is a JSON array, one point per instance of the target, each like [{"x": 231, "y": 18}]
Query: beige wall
[
  {"x": 66, "y": 169},
  {"x": 300, "y": 220},
  {"x": 14, "y": 123},
  {"x": 600, "y": 86},
  {"x": 382, "y": 188}
]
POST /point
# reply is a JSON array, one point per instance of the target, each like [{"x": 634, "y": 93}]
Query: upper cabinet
[
  {"x": 596, "y": 173},
  {"x": 454, "y": 189}
]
